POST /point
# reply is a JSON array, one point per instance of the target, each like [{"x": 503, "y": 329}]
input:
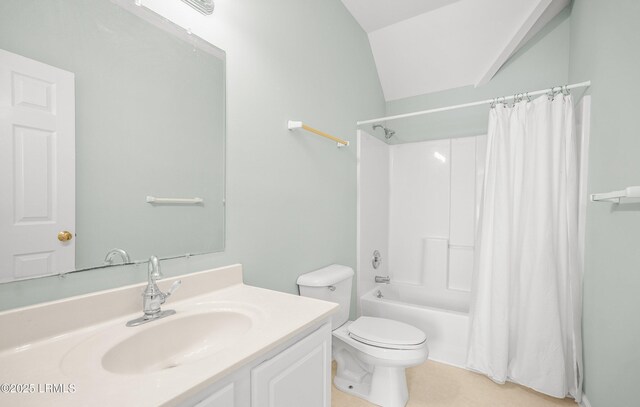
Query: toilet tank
[{"x": 331, "y": 283}]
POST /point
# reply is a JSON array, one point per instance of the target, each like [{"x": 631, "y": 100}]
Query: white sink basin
[
  {"x": 194, "y": 333},
  {"x": 174, "y": 341}
]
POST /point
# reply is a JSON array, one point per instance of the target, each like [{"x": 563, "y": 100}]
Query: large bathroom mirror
[{"x": 112, "y": 136}]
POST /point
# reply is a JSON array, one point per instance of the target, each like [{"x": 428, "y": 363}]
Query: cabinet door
[{"x": 298, "y": 376}]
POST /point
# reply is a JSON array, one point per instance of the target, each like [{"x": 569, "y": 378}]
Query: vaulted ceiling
[{"x": 425, "y": 46}]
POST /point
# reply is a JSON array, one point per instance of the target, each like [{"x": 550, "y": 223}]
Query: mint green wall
[
  {"x": 291, "y": 197},
  {"x": 605, "y": 48},
  {"x": 541, "y": 63}
]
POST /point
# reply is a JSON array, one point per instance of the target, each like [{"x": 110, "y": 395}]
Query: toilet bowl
[
  {"x": 371, "y": 353},
  {"x": 371, "y": 364}
]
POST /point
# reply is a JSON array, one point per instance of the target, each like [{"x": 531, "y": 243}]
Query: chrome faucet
[
  {"x": 153, "y": 297},
  {"x": 108, "y": 259},
  {"x": 383, "y": 279}
]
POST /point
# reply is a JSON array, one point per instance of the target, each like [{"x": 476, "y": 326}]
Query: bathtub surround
[
  {"x": 425, "y": 195},
  {"x": 432, "y": 210}
]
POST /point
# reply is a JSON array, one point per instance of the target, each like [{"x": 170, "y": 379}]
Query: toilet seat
[
  {"x": 381, "y": 355},
  {"x": 386, "y": 333}
]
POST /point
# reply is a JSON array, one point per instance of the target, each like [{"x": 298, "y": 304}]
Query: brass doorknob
[{"x": 65, "y": 236}]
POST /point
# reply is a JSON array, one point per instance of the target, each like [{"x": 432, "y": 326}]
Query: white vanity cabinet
[
  {"x": 295, "y": 374},
  {"x": 298, "y": 376}
]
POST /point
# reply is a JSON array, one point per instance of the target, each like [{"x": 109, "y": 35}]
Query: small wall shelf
[
  {"x": 293, "y": 124},
  {"x": 617, "y": 196}
]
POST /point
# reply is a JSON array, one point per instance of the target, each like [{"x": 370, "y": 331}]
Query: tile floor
[{"x": 435, "y": 384}]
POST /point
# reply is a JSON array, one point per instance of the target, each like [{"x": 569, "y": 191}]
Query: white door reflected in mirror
[{"x": 37, "y": 168}]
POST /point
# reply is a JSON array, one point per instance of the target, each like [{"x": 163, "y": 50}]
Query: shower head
[{"x": 388, "y": 133}]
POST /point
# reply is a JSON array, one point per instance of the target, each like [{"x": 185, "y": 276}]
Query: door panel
[{"x": 37, "y": 167}]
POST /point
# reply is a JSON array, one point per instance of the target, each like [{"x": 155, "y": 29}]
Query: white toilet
[{"x": 372, "y": 353}]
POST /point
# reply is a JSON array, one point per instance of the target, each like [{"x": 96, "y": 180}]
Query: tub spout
[{"x": 383, "y": 279}]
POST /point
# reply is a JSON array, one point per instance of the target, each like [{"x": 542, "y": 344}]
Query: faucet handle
[
  {"x": 173, "y": 288},
  {"x": 163, "y": 296}
]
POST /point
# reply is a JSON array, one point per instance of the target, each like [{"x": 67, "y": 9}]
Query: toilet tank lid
[{"x": 326, "y": 276}]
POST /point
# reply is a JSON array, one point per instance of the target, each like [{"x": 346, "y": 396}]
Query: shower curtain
[{"x": 526, "y": 303}]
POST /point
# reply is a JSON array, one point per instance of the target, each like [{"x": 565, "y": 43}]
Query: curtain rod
[{"x": 482, "y": 102}]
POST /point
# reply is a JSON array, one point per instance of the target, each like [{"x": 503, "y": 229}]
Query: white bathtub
[{"x": 447, "y": 330}]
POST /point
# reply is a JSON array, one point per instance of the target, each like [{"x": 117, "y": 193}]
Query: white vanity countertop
[{"x": 44, "y": 344}]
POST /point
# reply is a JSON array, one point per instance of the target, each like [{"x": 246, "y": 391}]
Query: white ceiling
[
  {"x": 424, "y": 46},
  {"x": 375, "y": 14}
]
